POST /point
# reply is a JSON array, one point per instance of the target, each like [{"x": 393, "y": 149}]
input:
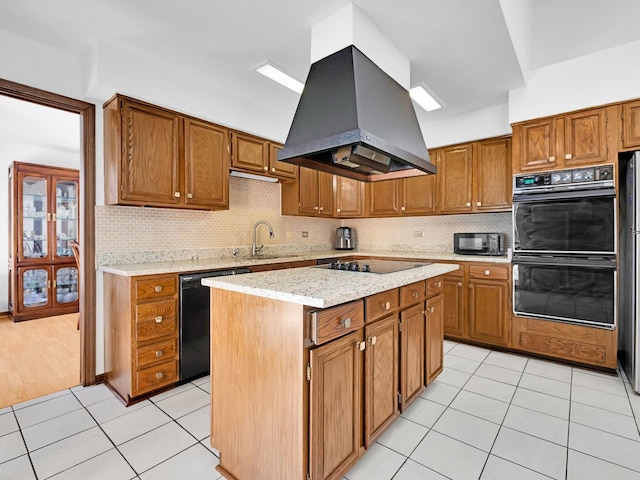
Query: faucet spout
[{"x": 255, "y": 249}]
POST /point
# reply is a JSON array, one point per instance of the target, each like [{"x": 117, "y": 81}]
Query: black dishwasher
[{"x": 195, "y": 323}]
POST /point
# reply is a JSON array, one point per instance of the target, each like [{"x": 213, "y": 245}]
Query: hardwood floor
[{"x": 38, "y": 357}]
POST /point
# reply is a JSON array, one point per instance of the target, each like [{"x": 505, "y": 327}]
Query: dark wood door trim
[{"x": 87, "y": 207}]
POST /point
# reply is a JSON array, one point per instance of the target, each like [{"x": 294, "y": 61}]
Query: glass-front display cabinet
[{"x": 43, "y": 208}]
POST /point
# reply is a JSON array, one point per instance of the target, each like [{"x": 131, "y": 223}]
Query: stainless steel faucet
[{"x": 254, "y": 248}]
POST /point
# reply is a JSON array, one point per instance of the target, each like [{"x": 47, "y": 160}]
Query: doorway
[{"x": 87, "y": 278}]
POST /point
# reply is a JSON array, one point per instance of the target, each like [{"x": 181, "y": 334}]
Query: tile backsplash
[{"x": 135, "y": 234}]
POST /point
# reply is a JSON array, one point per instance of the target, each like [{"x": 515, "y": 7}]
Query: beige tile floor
[{"x": 489, "y": 416}]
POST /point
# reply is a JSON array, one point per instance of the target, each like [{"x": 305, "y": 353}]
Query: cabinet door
[
  {"x": 65, "y": 285},
  {"x": 150, "y": 155},
  {"x": 280, "y": 169},
  {"x": 454, "y": 177},
  {"x": 630, "y": 134},
  {"x": 349, "y": 195},
  {"x": 335, "y": 410},
  {"x": 34, "y": 217},
  {"x": 380, "y": 377},
  {"x": 418, "y": 195},
  {"x": 454, "y": 302},
  {"x": 65, "y": 204},
  {"x": 383, "y": 198},
  {"x": 325, "y": 194},
  {"x": 412, "y": 335},
  {"x": 434, "y": 339},
  {"x": 534, "y": 146},
  {"x": 492, "y": 175},
  {"x": 206, "y": 163},
  {"x": 585, "y": 139},
  {"x": 488, "y": 316},
  {"x": 308, "y": 188},
  {"x": 249, "y": 153},
  {"x": 34, "y": 294}
]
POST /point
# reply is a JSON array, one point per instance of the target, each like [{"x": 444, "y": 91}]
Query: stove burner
[{"x": 373, "y": 266}]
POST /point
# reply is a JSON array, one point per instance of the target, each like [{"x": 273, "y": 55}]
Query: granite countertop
[
  {"x": 321, "y": 287},
  {"x": 200, "y": 265}
]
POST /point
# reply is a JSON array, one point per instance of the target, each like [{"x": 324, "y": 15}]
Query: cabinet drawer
[
  {"x": 413, "y": 293},
  {"x": 152, "y": 378},
  {"x": 434, "y": 286},
  {"x": 166, "y": 326},
  {"x": 334, "y": 322},
  {"x": 498, "y": 272},
  {"x": 156, "y": 311},
  {"x": 155, "y": 287},
  {"x": 381, "y": 304},
  {"x": 156, "y": 353}
]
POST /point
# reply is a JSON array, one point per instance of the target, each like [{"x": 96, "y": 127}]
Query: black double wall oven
[{"x": 564, "y": 246}]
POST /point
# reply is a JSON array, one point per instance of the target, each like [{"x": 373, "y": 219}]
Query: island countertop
[{"x": 321, "y": 287}]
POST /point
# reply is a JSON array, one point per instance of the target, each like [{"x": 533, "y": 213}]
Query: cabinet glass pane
[
  {"x": 34, "y": 217},
  {"x": 66, "y": 216},
  {"x": 34, "y": 288},
  {"x": 67, "y": 285}
]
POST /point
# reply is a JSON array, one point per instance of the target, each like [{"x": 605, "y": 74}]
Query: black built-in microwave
[{"x": 478, "y": 243}]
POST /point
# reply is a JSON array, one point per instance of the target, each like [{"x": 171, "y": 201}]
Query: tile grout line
[{"x": 33, "y": 467}]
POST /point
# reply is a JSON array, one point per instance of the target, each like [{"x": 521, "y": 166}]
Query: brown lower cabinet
[
  {"x": 477, "y": 303},
  {"x": 363, "y": 362}
]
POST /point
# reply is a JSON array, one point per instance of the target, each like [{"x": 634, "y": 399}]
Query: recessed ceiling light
[
  {"x": 423, "y": 98},
  {"x": 277, "y": 75}
]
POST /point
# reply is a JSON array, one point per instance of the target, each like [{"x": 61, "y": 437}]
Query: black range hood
[{"x": 355, "y": 121}]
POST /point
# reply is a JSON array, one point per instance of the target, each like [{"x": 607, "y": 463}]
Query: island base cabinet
[
  {"x": 335, "y": 420},
  {"x": 434, "y": 348},
  {"x": 380, "y": 377},
  {"x": 412, "y": 342}
]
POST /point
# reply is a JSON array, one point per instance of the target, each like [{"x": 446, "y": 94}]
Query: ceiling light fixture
[
  {"x": 423, "y": 98},
  {"x": 276, "y": 74}
]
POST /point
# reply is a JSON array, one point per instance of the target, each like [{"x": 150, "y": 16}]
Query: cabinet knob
[
  {"x": 338, "y": 210},
  {"x": 439, "y": 284},
  {"x": 176, "y": 194},
  {"x": 478, "y": 204},
  {"x": 159, "y": 319},
  {"x": 362, "y": 346},
  {"x": 459, "y": 284},
  {"x": 315, "y": 208},
  {"x": 552, "y": 159},
  {"x": 568, "y": 156},
  {"x": 159, "y": 375},
  {"x": 346, "y": 322},
  {"x": 386, "y": 305},
  {"x": 321, "y": 209},
  {"x": 402, "y": 208},
  {"x": 189, "y": 195},
  {"x": 159, "y": 353},
  {"x": 265, "y": 168},
  {"x": 374, "y": 339},
  {"x": 468, "y": 204},
  {"x": 273, "y": 169},
  {"x": 157, "y": 288},
  {"x": 415, "y": 294},
  {"x": 487, "y": 272}
]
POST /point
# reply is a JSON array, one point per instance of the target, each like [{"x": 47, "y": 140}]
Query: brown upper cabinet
[
  {"x": 349, "y": 197},
  {"x": 311, "y": 195},
  {"x": 475, "y": 177},
  {"x": 630, "y": 125},
  {"x": 157, "y": 157},
  {"x": 256, "y": 155},
  {"x": 405, "y": 196},
  {"x": 565, "y": 141}
]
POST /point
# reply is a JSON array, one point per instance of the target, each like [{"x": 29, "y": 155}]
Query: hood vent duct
[{"x": 355, "y": 121}]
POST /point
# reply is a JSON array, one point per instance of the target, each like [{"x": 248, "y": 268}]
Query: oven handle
[
  {"x": 563, "y": 195},
  {"x": 608, "y": 263}
]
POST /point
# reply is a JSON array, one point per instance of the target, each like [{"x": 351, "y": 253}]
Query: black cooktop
[{"x": 373, "y": 266}]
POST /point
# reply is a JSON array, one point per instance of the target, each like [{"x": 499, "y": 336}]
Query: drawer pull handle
[
  {"x": 159, "y": 375},
  {"x": 159, "y": 319},
  {"x": 159, "y": 353},
  {"x": 386, "y": 305},
  {"x": 415, "y": 294},
  {"x": 346, "y": 322},
  {"x": 487, "y": 272},
  {"x": 157, "y": 288}
]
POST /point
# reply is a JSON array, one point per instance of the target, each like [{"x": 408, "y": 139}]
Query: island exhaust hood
[{"x": 355, "y": 121}]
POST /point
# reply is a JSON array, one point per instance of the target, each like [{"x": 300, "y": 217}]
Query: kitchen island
[{"x": 310, "y": 365}]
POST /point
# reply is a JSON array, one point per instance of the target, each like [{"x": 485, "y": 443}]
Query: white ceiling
[{"x": 470, "y": 53}]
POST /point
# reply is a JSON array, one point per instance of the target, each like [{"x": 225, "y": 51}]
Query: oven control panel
[{"x": 589, "y": 177}]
